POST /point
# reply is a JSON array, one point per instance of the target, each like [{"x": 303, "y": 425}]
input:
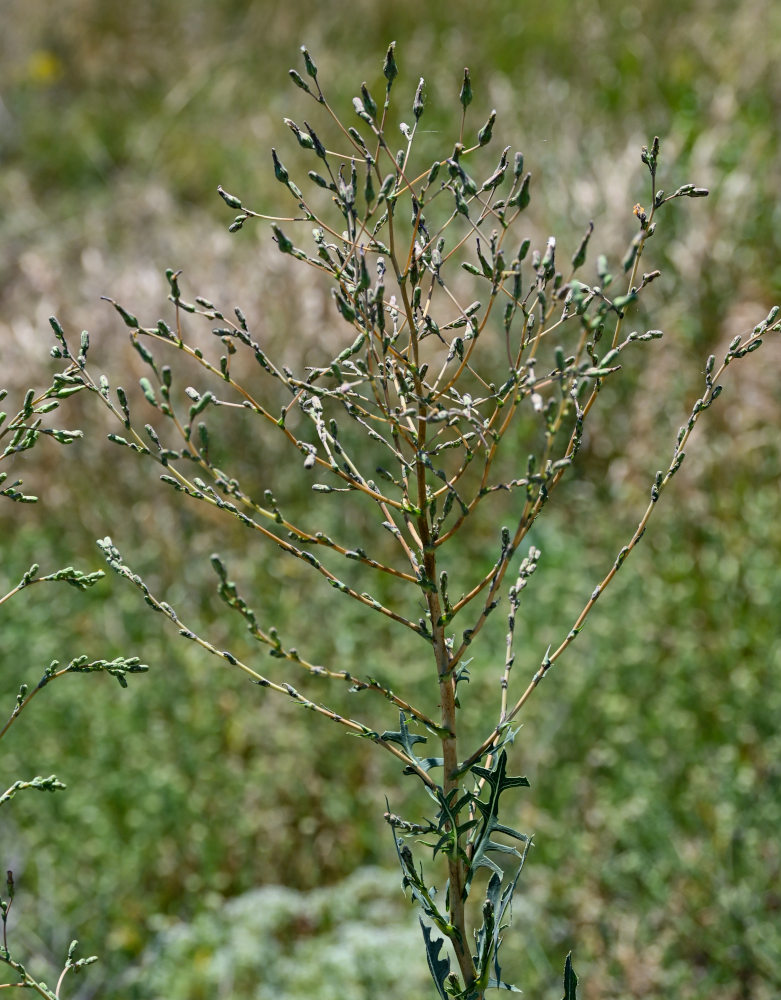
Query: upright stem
[
  {"x": 447, "y": 695},
  {"x": 442, "y": 655}
]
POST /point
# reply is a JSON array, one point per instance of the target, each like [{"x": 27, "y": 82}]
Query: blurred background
[{"x": 209, "y": 843}]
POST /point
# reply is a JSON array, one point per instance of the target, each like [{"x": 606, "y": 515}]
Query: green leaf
[
  {"x": 498, "y": 780},
  {"x": 570, "y": 980},
  {"x": 487, "y": 935},
  {"x": 495, "y": 984},
  {"x": 404, "y": 737},
  {"x": 407, "y": 740},
  {"x": 439, "y": 966}
]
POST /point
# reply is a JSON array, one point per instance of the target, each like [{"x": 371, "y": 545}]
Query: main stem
[
  {"x": 445, "y": 673},
  {"x": 447, "y": 696}
]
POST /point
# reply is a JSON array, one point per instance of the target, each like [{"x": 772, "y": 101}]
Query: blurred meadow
[{"x": 214, "y": 843}]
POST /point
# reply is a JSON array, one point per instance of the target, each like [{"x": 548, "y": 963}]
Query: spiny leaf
[
  {"x": 497, "y": 778},
  {"x": 404, "y": 738},
  {"x": 439, "y": 966}
]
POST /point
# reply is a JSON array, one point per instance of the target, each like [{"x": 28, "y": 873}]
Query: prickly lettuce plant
[
  {"x": 470, "y": 361},
  {"x": 21, "y": 433}
]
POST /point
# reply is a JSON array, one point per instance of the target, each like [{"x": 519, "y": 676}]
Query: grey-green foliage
[
  {"x": 23, "y": 432},
  {"x": 345, "y": 942},
  {"x": 468, "y": 346}
]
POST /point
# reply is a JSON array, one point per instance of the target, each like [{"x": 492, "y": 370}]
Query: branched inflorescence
[{"x": 459, "y": 331}]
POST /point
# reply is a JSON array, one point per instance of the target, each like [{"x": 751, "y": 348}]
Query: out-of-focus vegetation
[{"x": 653, "y": 750}]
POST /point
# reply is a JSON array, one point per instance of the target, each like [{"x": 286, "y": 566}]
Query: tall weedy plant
[{"x": 470, "y": 364}]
